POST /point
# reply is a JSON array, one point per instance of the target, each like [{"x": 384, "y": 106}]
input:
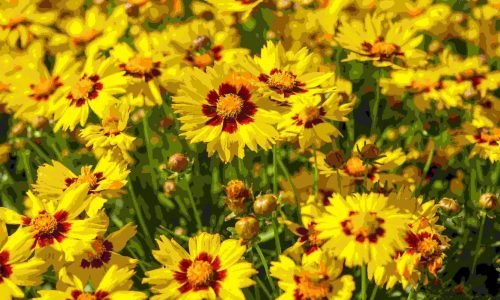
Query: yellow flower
[
  {"x": 115, "y": 285},
  {"x": 239, "y": 6},
  {"x": 16, "y": 266},
  {"x": 92, "y": 32},
  {"x": 34, "y": 94},
  {"x": 93, "y": 265},
  {"x": 210, "y": 270},
  {"x": 309, "y": 120},
  {"x": 313, "y": 280},
  {"x": 143, "y": 67},
  {"x": 21, "y": 20},
  {"x": 111, "y": 134},
  {"x": 486, "y": 141},
  {"x": 363, "y": 228},
  {"x": 280, "y": 75},
  {"x": 221, "y": 111},
  {"x": 100, "y": 80},
  {"x": 382, "y": 42},
  {"x": 57, "y": 226},
  {"x": 108, "y": 176}
]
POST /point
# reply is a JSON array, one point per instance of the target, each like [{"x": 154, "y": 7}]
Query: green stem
[
  {"x": 193, "y": 204},
  {"x": 374, "y": 293},
  {"x": 266, "y": 266},
  {"x": 38, "y": 150},
  {"x": 339, "y": 181},
  {"x": 275, "y": 170},
  {"x": 472, "y": 197},
  {"x": 276, "y": 233},
  {"x": 478, "y": 243},
  {"x": 364, "y": 282},
  {"x": 175, "y": 235},
  {"x": 294, "y": 189},
  {"x": 426, "y": 168},
  {"x": 138, "y": 212},
  {"x": 149, "y": 150},
  {"x": 27, "y": 168},
  {"x": 316, "y": 176},
  {"x": 411, "y": 293},
  {"x": 376, "y": 105},
  {"x": 264, "y": 288}
]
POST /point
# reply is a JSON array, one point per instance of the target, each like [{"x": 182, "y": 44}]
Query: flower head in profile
[
  {"x": 382, "y": 42},
  {"x": 309, "y": 120},
  {"x": 57, "y": 226},
  {"x": 218, "y": 109},
  {"x": 16, "y": 267},
  {"x": 100, "y": 80},
  {"x": 245, "y": 7},
  {"x": 485, "y": 141},
  {"x": 280, "y": 75},
  {"x": 210, "y": 270},
  {"x": 320, "y": 279},
  {"x": 115, "y": 285},
  {"x": 363, "y": 228}
]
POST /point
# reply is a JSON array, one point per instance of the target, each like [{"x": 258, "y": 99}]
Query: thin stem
[
  {"x": 26, "y": 165},
  {"x": 264, "y": 288},
  {"x": 149, "y": 151},
  {"x": 374, "y": 293},
  {"x": 411, "y": 294},
  {"x": 316, "y": 176},
  {"x": 138, "y": 212},
  {"x": 376, "y": 104},
  {"x": 426, "y": 168},
  {"x": 276, "y": 233},
  {"x": 275, "y": 170},
  {"x": 38, "y": 150},
  {"x": 175, "y": 235},
  {"x": 478, "y": 243},
  {"x": 193, "y": 205},
  {"x": 364, "y": 282},
  {"x": 294, "y": 189},
  {"x": 266, "y": 266},
  {"x": 339, "y": 180}
]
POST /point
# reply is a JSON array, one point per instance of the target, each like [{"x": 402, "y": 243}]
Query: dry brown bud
[
  {"x": 488, "y": 201},
  {"x": 450, "y": 205},
  {"x": 264, "y": 204},
  {"x": 169, "y": 187},
  {"x": 370, "y": 151},
  {"x": 178, "y": 162},
  {"x": 335, "y": 159},
  {"x": 247, "y": 228},
  {"x": 237, "y": 194}
]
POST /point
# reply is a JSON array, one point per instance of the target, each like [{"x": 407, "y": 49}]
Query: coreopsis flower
[
  {"x": 35, "y": 97},
  {"x": 320, "y": 279},
  {"x": 356, "y": 170},
  {"x": 16, "y": 267},
  {"x": 278, "y": 74},
  {"x": 245, "y": 7},
  {"x": 92, "y": 32},
  {"x": 57, "y": 226},
  {"x": 21, "y": 21},
  {"x": 216, "y": 109},
  {"x": 111, "y": 133},
  {"x": 210, "y": 270},
  {"x": 426, "y": 86},
  {"x": 308, "y": 245},
  {"x": 100, "y": 80},
  {"x": 107, "y": 177},
  {"x": 310, "y": 117},
  {"x": 143, "y": 67},
  {"x": 384, "y": 43},
  {"x": 486, "y": 141},
  {"x": 115, "y": 285},
  {"x": 363, "y": 228},
  {"x": 93, "y": 265}
]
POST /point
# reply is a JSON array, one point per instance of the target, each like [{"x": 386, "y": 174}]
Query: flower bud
[
  {"x": 39, "y": 122},
  {"x": 264, "y": 204},
  {"x": 335, "y": 159},
  {"x": 370, "y": 151},
  {"x": 435, "y": 46},
  {"x": 18, "y": 129},
  {"x": 178, "y": 162},
  {"x": 488, "y": 201},
  {"x": 237, "y": 194},
  {"x": 132, "y": 10},
  {"x": 4, "y": 152},
  {"x": 450, "y": 205},
  {"x": 247, "y": 228},
  {"x": 201, "y": 42},
  {"x": 169, "y": 187}
]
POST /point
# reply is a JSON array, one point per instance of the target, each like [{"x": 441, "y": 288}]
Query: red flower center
[
  {"x": 87, "y": 88},
  {"x": 283, "y": 82},
  {"x": 45, "y": 88},
  {"x": 364, "y": 226},
  {"x": 382, "y": 50},
  {"x": 5, "y": 268},
  {"x": 141, "y": 67},
  {"x": 230, "y": 107},
  {"x": 80, "y": 295},
  {"x": 490, "y": 136},
  {"x": 309, "y": 238},
  {"x": 200, "y": 274},
  {"x": 48, "y": 227},
  {"x": 100, "y": 255},
  {"x": 87, "y": 176},
  {"x": 309, "y": 116}
]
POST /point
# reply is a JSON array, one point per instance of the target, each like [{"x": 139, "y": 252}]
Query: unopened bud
[
  {"x": 370, "y": 151},
  {"x": 132, "y": 10},
  {"x": 137, "y": 116},
  {"x": 435, "y": 46},
  {"x": 450, "y": 205},
  {"x": 488, "y": 201},
  {"x": 18, "y": 129},
  {"x": 247, "y": 228},
  {"x": 178, "y": 162},
  {"x": 264, "y": 204},
  {"x": 201, "y": 42},
  {"x": 237, "y": 194},
  {"x": 335, "y": 159},
  {"x": 169, "y": 187},
  {"x": 39, "y": 122}
]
